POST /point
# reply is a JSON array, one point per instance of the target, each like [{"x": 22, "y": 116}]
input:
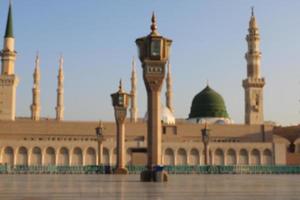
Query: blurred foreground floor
[{"x": 181, "y": 187}]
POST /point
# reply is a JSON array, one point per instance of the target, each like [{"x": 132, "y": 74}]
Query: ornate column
[
  {"x": 120, "y": 101},
  {"x": 99, "y": 134},
  {"x": 153, "y": 53}
]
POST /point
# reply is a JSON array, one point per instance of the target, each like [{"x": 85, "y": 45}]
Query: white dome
[{"x": 167, "y": 116}]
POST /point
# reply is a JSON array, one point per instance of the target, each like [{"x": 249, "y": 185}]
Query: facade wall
[
  {"x": 20, "y": 152},
  {"x": 220, "y": 153},
  {"x": 84, "y": 152},
  {"x": 74, "y": 143}
]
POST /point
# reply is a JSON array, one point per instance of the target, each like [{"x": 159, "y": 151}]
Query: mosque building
[{"x": 40, "y": 141}]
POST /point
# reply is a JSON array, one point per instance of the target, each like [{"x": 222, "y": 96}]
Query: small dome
[
  {"x": 208, "y": 103},
  {"x": 167, "y": 116}
]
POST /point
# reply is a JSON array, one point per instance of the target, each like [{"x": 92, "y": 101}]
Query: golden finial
[
  {"x": 153, "y": 25},
  {"x": 37, "y": 54},
  {"x": 61, "y": 62},
  {"x": 37, "y": 59},
  {"x": 252, "y": 23},
  {"x": 120, "y": 86}
]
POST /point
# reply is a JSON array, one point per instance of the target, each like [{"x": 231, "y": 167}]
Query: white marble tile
[{"x": 181, "y": 187}]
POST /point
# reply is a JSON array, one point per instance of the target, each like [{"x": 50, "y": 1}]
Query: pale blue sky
[{"x": 97, "y": 40}]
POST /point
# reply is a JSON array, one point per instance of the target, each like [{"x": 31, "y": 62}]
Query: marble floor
[{"x": 183, "y": 187}]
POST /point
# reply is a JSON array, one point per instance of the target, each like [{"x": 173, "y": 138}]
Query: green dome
[{"x": 208, "y": 103}]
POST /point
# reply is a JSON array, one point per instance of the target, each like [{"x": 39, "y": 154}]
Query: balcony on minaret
[{"x": 254, "y": 82}]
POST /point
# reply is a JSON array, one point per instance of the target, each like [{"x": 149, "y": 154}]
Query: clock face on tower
[{"x": 155, "y": 48}]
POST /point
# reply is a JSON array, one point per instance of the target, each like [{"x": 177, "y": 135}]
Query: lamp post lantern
[
  {"x": 153, "y": 53},
  {"x": 100, "y": 137},
  {"x": 120, "y": 101},
  {"x": 205, "y": 139}
]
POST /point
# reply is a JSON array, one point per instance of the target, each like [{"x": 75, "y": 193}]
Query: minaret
[
  {"x": 254, "y": 83},
  {"x": 36, "y": 105},
  {"x": 60, "y": 92},
  {"x": 169, "y": 92},
  {"x": 133, "y": 94},
  {"x": 8, "y": 79}
]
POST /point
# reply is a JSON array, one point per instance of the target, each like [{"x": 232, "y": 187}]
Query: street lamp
[
  {"x": 120, "y": 101},
  {"x": 205, "y": 139},
  {"x": 100, "y": 137},
  {"x": 153, "y": 52}
]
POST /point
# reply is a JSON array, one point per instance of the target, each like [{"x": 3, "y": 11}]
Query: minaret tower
[
  {"x": 36, "y": 104},
  {"x": 254, "y": 83},
  {"x": 169, "y": 92},
  {"x": 60, "y": 92},
  {"x": 133, "y": 94},
  {"x": 8, "y": 79}
]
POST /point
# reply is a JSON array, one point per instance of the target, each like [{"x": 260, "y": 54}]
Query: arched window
[
  {"x": 22, "y": 158},
  {"x": 169, "y": 157},
  {"x": 231, "y": 157},
  {"x": 8, "y": 157},
  {"x": 219, "y": 157},
  {"x": 64, "y": 156},
  {"x": 194, "y": 157},
  {"x": 255, "y": 157},
  {"x": 243, "y": 157},
  {"x": 77, "y": 156},
  {"x": 268, "y": 160},
  {"x": 181, "y": 157},
  {"x": 36, "y": 156},
  {"x": 90, "y": 157},
  {"x": 50, "y": 156}
]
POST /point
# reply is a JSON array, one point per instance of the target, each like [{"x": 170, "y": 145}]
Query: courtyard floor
[{"x": 181, "y": 187}]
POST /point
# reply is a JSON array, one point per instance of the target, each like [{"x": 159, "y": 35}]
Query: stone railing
[{"x": 134, "y": 169}]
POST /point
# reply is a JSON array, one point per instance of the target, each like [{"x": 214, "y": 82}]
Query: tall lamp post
[
  {"x": 120, "y": 101},
  {"x": 100, "y": 136},
  {"x": 205, "y": 139},
  {"x": 153, "y": 53}
]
